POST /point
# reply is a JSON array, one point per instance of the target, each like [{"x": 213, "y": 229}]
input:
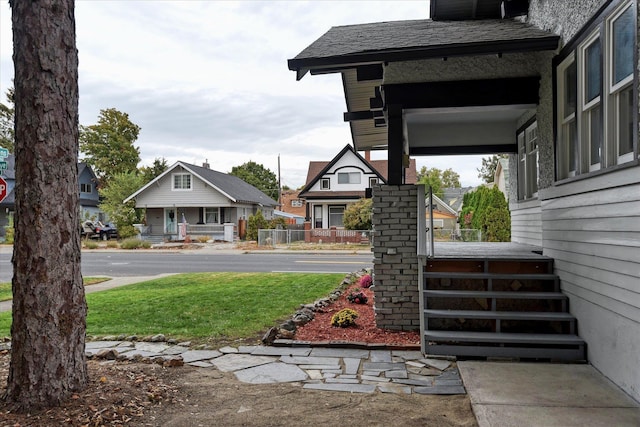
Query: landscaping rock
[
  {"x": 107, "y": 353},
  {"x": 158, "y": 338}
]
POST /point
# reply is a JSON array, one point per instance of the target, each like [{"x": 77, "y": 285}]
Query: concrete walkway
[
  {"x": 544, "y": 394},
  {"x": 113, "y": 282}
]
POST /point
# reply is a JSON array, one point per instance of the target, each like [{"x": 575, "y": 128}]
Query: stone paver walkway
[{"x": 320, "y": 368}]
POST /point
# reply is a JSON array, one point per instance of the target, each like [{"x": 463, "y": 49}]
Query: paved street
[{"x": 120, "y": 263}]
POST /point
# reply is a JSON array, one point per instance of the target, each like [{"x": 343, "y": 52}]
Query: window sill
[{"x": 598, "y": 172}]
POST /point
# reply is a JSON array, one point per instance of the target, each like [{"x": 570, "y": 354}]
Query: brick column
[{"x": 395, "y": 264}]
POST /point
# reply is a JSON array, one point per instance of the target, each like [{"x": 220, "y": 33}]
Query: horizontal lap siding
[
  {"x": 526, "y": 224},
  {"x": 594, "y": 238}
]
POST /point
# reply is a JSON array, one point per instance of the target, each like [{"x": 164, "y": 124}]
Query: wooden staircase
[{"x": 497, "y": 308}]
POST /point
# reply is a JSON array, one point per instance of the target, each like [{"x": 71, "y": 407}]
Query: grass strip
[
  {"x": 5, "y": 287},
  {"x": 201, "y": 305}
]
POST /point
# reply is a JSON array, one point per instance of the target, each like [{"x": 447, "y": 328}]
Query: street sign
[
  {"x": 4, "y": 153},
  {"x": 3, "y": 189},
  {"x": 3, "y": 166}
]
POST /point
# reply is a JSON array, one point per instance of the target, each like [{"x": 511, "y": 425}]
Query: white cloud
[{"x": 208, "y": 80}]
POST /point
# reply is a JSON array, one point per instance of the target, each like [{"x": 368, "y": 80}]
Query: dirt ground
[{"x": 137, "y": 394}]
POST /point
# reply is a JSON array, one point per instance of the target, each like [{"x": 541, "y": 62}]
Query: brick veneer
[{"x": 395, "y": 264}]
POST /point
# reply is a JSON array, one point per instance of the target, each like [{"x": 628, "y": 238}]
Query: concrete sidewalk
[
  {"x": 113, "y": 282},
  {"x": 544, "y": 394}
]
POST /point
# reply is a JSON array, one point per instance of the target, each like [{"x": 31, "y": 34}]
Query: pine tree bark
[{"x": 49, "y": 307}]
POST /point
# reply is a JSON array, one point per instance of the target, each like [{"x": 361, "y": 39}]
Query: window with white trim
[
  {"x": 181, "y": 181},
  {"x": 373, "y": 181},
  {"x": 336, "y": 214},
  {"x": 325, "y": 184},
  {"x": 317, "y": 216},
  {"x": 596, "y": 117},
  {"x": 212, "y": 215},
  {"x": 296, "y": 203},
  {"x": 348, "y": 177},
  {"x": 528, "y": 161},
  {"x": 86, "y": 188}
]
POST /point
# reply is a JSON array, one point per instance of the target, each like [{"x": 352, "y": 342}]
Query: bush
[
  {"x": 135, "y": 244},
  {"x": 344, "y": 318},
  {"x": 90, "y": 244},
  {"x": 255, "y": 223},
  {"x": 366, "y": 281},
  {"x": 126, "y": 231},
  {"x": 357, "y": 216},
  {"x": 357, "y": 298},
  {"x": 112, "y": 244},
  {"x": 9, "y": 231}
]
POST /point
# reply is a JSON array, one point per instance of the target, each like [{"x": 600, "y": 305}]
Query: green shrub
[
  {"x": 344, "y": 318},
  {"x": 90, "y": 244},
  {"x": 126, "y": 231},
  {"x": 135, "y": 244},
  {"x": 255, "y": 223},
  {"x": 9, "y": 231},
  {"x": 357, "y": 216},
  {"x": 112, "y": 244}
]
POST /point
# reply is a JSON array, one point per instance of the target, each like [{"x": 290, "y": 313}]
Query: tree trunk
[{"x": 49, "y": 307}]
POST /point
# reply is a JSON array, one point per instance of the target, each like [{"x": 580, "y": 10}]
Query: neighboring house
[
  {"x": 444, "y": 217},
  {"x": 291, "y": 203},
  {"x": 87, "y": 187},
  {"x": 89, "y": 197},
  {"x": 454, "y": 197},
  {"x": 332, "y": 186},
  {"x": 554, "y": 83},
  {"x": 501, "y": 177},
  {"x": 203, "y": 198}
]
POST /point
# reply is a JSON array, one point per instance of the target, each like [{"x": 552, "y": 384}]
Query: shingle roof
[
  {"x": 419, "y": 39},
  {"x": 232, "y": 186}
]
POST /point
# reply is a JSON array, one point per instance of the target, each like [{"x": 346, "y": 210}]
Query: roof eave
[{"x": 333, "y": 64}]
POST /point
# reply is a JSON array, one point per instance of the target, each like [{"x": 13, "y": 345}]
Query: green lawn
[
  {"x": 5, "y": 287},
  {"x": 201, "y": 305}
]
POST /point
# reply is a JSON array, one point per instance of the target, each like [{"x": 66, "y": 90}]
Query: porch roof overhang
[{"x": 360, "y": 53}]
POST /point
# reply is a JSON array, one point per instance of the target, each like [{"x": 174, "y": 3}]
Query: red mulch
[{"x": 364, "y": 331}]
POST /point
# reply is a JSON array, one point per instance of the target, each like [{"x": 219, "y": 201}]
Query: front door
[{"x": 170, "y": 221}]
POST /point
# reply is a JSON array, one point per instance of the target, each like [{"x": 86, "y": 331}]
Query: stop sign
[{"x": 3, "y": 189}]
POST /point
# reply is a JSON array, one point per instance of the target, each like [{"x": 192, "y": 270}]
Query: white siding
[
  {"x": 526, "y": 222},
  {"x": 162, "y": 194},
  {"x": 347, "y": 163},
  {"x": 591, "y": 228}
]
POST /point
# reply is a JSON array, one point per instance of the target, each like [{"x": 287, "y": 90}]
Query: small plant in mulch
[
  {"x": 366, "y": 281},
  {"x": 357, "y": 298},
  {"x": 344, "y": 318}
]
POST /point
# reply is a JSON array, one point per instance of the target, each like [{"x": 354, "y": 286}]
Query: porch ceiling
[{"x": 359, "y": 53}]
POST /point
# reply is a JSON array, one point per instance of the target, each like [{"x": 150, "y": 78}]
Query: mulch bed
[{"x": 364, "y": 331}]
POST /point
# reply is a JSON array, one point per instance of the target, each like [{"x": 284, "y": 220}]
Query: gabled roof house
[
  {"x": 202, "y": 198},
  {"x": 552, "y": 83},
  {"x": 333, "y": 185},
  {"x": 87, "y": 187}
]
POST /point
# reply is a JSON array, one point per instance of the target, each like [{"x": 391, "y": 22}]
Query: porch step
[
  {"x": 502, "y": 315},
  {"x": 494, "y": 276},
  {"x": 440, "y": 293},
  {"x": 499, "y": 344}
]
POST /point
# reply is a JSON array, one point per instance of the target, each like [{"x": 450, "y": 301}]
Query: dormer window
[
  {"x": 181, "y": 181},
  {"x": 373, "y": 181},
  {"x": 349, "y": 178},
  {"x": 325, "y": 184}
]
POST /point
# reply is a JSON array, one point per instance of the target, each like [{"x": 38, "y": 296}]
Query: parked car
[{"x": 98, "y": 230}]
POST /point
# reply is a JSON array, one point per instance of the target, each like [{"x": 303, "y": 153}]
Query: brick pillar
[
  {"x": 307, "y": 231},
  {"x": 395, "y": 264}
]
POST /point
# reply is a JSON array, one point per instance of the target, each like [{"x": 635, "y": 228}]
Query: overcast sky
[{"x": 208, "y": 80}]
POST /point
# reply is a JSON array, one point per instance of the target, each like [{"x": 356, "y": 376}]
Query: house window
[
  {"x": 212, "y": 215},
  {"x": 373, "y": 181},
  {"x": 599, "y": 70},
  {"x": 528, "y": 161},
  {"x": 325, "y": 184},
  {"x": 317, "y": 216},
  {"x": 296, "y": 203},
  {"x": 182, "y": 181},
  {"x": 86, "y": 188},
  {"x": 622, "y": 35},
  {"x": 348, "y": 177},
  {"x": 336, "y": 213}
]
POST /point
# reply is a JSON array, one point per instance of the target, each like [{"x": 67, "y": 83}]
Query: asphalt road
[{"x": 147, "y": 263}]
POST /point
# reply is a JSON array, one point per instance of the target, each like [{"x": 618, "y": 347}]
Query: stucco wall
[{"x": 395, "y": 264}]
